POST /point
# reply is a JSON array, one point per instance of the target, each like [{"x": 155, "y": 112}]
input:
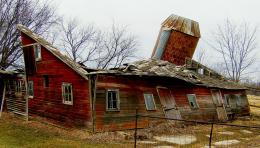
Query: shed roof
[
  {"x": 160, "y": 68},
  {"x": 182, "y": 24},
  {"x": 72, "y": 64}
]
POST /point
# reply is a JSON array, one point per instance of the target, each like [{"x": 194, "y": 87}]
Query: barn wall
[
  {"x": 131, "y": 91},
  {"x": 47, "y": 101},
  {"x": 206, "y": 110},
  {"x": 242, "y": 109}
]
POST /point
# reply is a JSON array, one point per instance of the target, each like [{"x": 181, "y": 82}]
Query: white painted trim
[
  {"x": 62, "y": 91},
  {"x": 118, "y": 100},
  {"x": 155, "y": 108},
  {"x": 3, "y": 98}
]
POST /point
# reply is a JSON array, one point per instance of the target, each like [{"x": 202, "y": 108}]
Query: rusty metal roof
[
  {"x": 160, "y": 68},
  {"x": 68, "y": 61},
  {"x": 182, "y": 24}
]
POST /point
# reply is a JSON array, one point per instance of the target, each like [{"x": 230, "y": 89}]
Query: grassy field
[
  {"x": 15, "y": 132},
  {"x": 18, "y": 133}
]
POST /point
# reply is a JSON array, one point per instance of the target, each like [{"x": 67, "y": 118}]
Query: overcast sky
[{"x": 143, "y": 17}]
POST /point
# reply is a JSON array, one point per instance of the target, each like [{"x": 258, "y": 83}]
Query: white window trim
[
  {"x": 30, "y": 82},
  {"x": 39, "y": 53},
  {"x": 62, "y": 90},
  {"x": 155, "y": 108},
  {"x": 195, "y": 101},
  {"x": 118, "y": 100}
]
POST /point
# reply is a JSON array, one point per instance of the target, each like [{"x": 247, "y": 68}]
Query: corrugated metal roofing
[
  {"x": 72, "y": 64},
  {"x": 182, "y": 24}
]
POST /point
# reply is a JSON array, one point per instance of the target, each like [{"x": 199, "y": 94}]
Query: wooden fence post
[
  {"x": 210, "y": 137},
  {"x": 136, "y": 118}
]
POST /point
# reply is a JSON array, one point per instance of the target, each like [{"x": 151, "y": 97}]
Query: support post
[
  {"x": 3, "y": 100},
  {"x": 210, "y": 136},
  {"x": 136, "y": 118}
]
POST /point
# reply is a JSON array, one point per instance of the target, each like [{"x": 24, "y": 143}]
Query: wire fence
[{"x": 167, "y": 132}]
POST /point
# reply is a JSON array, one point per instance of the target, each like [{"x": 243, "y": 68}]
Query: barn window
[
  {"x": 112, "y": 100},
  {"x": 18, "y": 86},
  {"x": 201, "y": 71},
  {"x": 46, "y": 81},
  {"x": 30, "y": 89},
  {"x": 192, "y": 101},
  {"x": 67, "y": 94},
  {"x": 37, "y": 52},
  {"x": 149, "y": 101},
  {"x": 227, "y": 100},
  {"x": 238, "y": 99}
]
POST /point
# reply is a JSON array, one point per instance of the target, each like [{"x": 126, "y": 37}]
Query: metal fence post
[
  {"x": 136, "y": 117},
  {"x": 210, "y": 137}
]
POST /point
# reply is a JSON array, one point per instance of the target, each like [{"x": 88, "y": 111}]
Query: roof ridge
[{"x": 55, "y": 51}]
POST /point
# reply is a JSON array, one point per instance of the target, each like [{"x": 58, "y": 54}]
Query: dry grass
[{"x": 15, "y": 132}]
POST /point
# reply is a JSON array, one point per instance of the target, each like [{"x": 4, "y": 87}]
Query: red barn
[{"x": 170, "y": 85}]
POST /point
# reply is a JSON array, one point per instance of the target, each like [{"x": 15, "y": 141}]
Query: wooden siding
[
  {"x": 47, "y": 101},
  {"x": 179, "y": 46},
  {"x": 131, "y": 91}
]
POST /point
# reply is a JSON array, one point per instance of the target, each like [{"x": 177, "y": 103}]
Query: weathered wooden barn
[{"x": 169, "y": 84}]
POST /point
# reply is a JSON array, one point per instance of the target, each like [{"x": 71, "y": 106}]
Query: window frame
[
  {"x": 30, "y": 83},
  {"x": 239, "y": 102},
  {"x": 227, "y": 100},
  {"x": 197, "y": 105},
  {"x": 117, "y": 99},
  {"x": 18, "y": 86},
  {"x": 153, "y": 101},
  {"x": 64, "y": 100},
  {"x": 37, "y": 47}
]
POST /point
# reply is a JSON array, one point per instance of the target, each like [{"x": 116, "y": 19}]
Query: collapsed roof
[{"x": 160, "y": 68}]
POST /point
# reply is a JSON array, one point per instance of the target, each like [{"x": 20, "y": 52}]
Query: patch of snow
[
  {"x": 246, "y": 131},
  {"x": 181, "y": 140},
  {"x": 227, "y": 142},
  {"x": 147, "y": 142},
  {"x": 226, "y": 133}
]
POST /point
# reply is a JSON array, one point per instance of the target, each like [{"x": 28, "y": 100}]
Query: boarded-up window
[
  {"x": 67, "y": 94},
  {"x": 37, "y": 52},
  {"x": 30, "y": 89},
  {"x": 192, "y": 101},
  {"x": 149, "y": 101},
  {"x": 112, "y": 100}
]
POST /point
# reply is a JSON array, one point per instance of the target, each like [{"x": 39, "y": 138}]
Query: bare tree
[
  {"x": 236, "y": 44},
  {"x": 100, "y": 49},
  {"x": 200, "y": 55},
  {"x": 80, "y": 43},
  {"x": 118, "y": 47},
  {"x": 36, "y": 15}
]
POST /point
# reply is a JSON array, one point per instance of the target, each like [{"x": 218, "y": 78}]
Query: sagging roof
[
  {"x": 5, "y": 72},
  {"x": 68, "y": 61},
  {"x": 182, "y": 24},
  {"x": 160, "y": 68}
]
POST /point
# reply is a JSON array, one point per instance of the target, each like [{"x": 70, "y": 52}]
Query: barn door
[
  {"x": 220, "y": 107},
  {"x": 168, "y": 103}
]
